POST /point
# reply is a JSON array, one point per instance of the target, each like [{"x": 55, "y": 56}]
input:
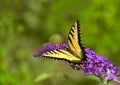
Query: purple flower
[
  {"x": 94, "y": 65},
  {"x": 98, "y": 65},
  {"x": 49, "y": 47}
]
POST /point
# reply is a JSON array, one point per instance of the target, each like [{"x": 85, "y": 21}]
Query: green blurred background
[{"x": 25, "y": 25}]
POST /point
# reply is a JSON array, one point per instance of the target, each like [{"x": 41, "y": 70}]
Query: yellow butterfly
[{"x": 74, "y": 53}]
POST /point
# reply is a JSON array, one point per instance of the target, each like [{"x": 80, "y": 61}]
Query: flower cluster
[
  {"x": 99, "y": 66},
  {"x": 94, "y": 65}
]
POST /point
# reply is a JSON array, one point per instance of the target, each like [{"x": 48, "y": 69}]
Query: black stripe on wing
[{"x": 79, "y": 34}]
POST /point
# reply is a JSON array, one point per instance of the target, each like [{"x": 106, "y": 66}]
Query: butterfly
[{"x": 75, "y": 52}]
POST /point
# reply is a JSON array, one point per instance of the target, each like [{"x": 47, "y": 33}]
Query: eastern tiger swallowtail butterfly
[{"x": 74, "y": 53}]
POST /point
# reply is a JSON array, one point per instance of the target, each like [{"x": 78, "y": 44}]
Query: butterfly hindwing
[{"x": 74, "y": 40}]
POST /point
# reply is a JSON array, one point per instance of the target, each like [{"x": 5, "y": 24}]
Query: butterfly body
[{"x": 74, "y": 52}]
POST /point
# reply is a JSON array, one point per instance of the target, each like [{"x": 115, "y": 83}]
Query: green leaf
[
  {"x": 110, "y": 83},
  {"x": 42, "y": 77},
  {"x": 93, "y": 77}
]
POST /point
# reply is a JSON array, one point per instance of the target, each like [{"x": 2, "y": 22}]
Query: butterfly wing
[
  {"x": 74, "y": 40},
  {"x": 75, "y": 51},
  {"x": 61, "y": 55}
]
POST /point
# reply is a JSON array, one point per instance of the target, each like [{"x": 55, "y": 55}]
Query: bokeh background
[{"x": 25, "y": 25}]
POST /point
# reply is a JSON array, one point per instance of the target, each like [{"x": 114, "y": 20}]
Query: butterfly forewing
[
  {"x": 74, "y": 40},
  {"x": 61, "y": 54}
]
